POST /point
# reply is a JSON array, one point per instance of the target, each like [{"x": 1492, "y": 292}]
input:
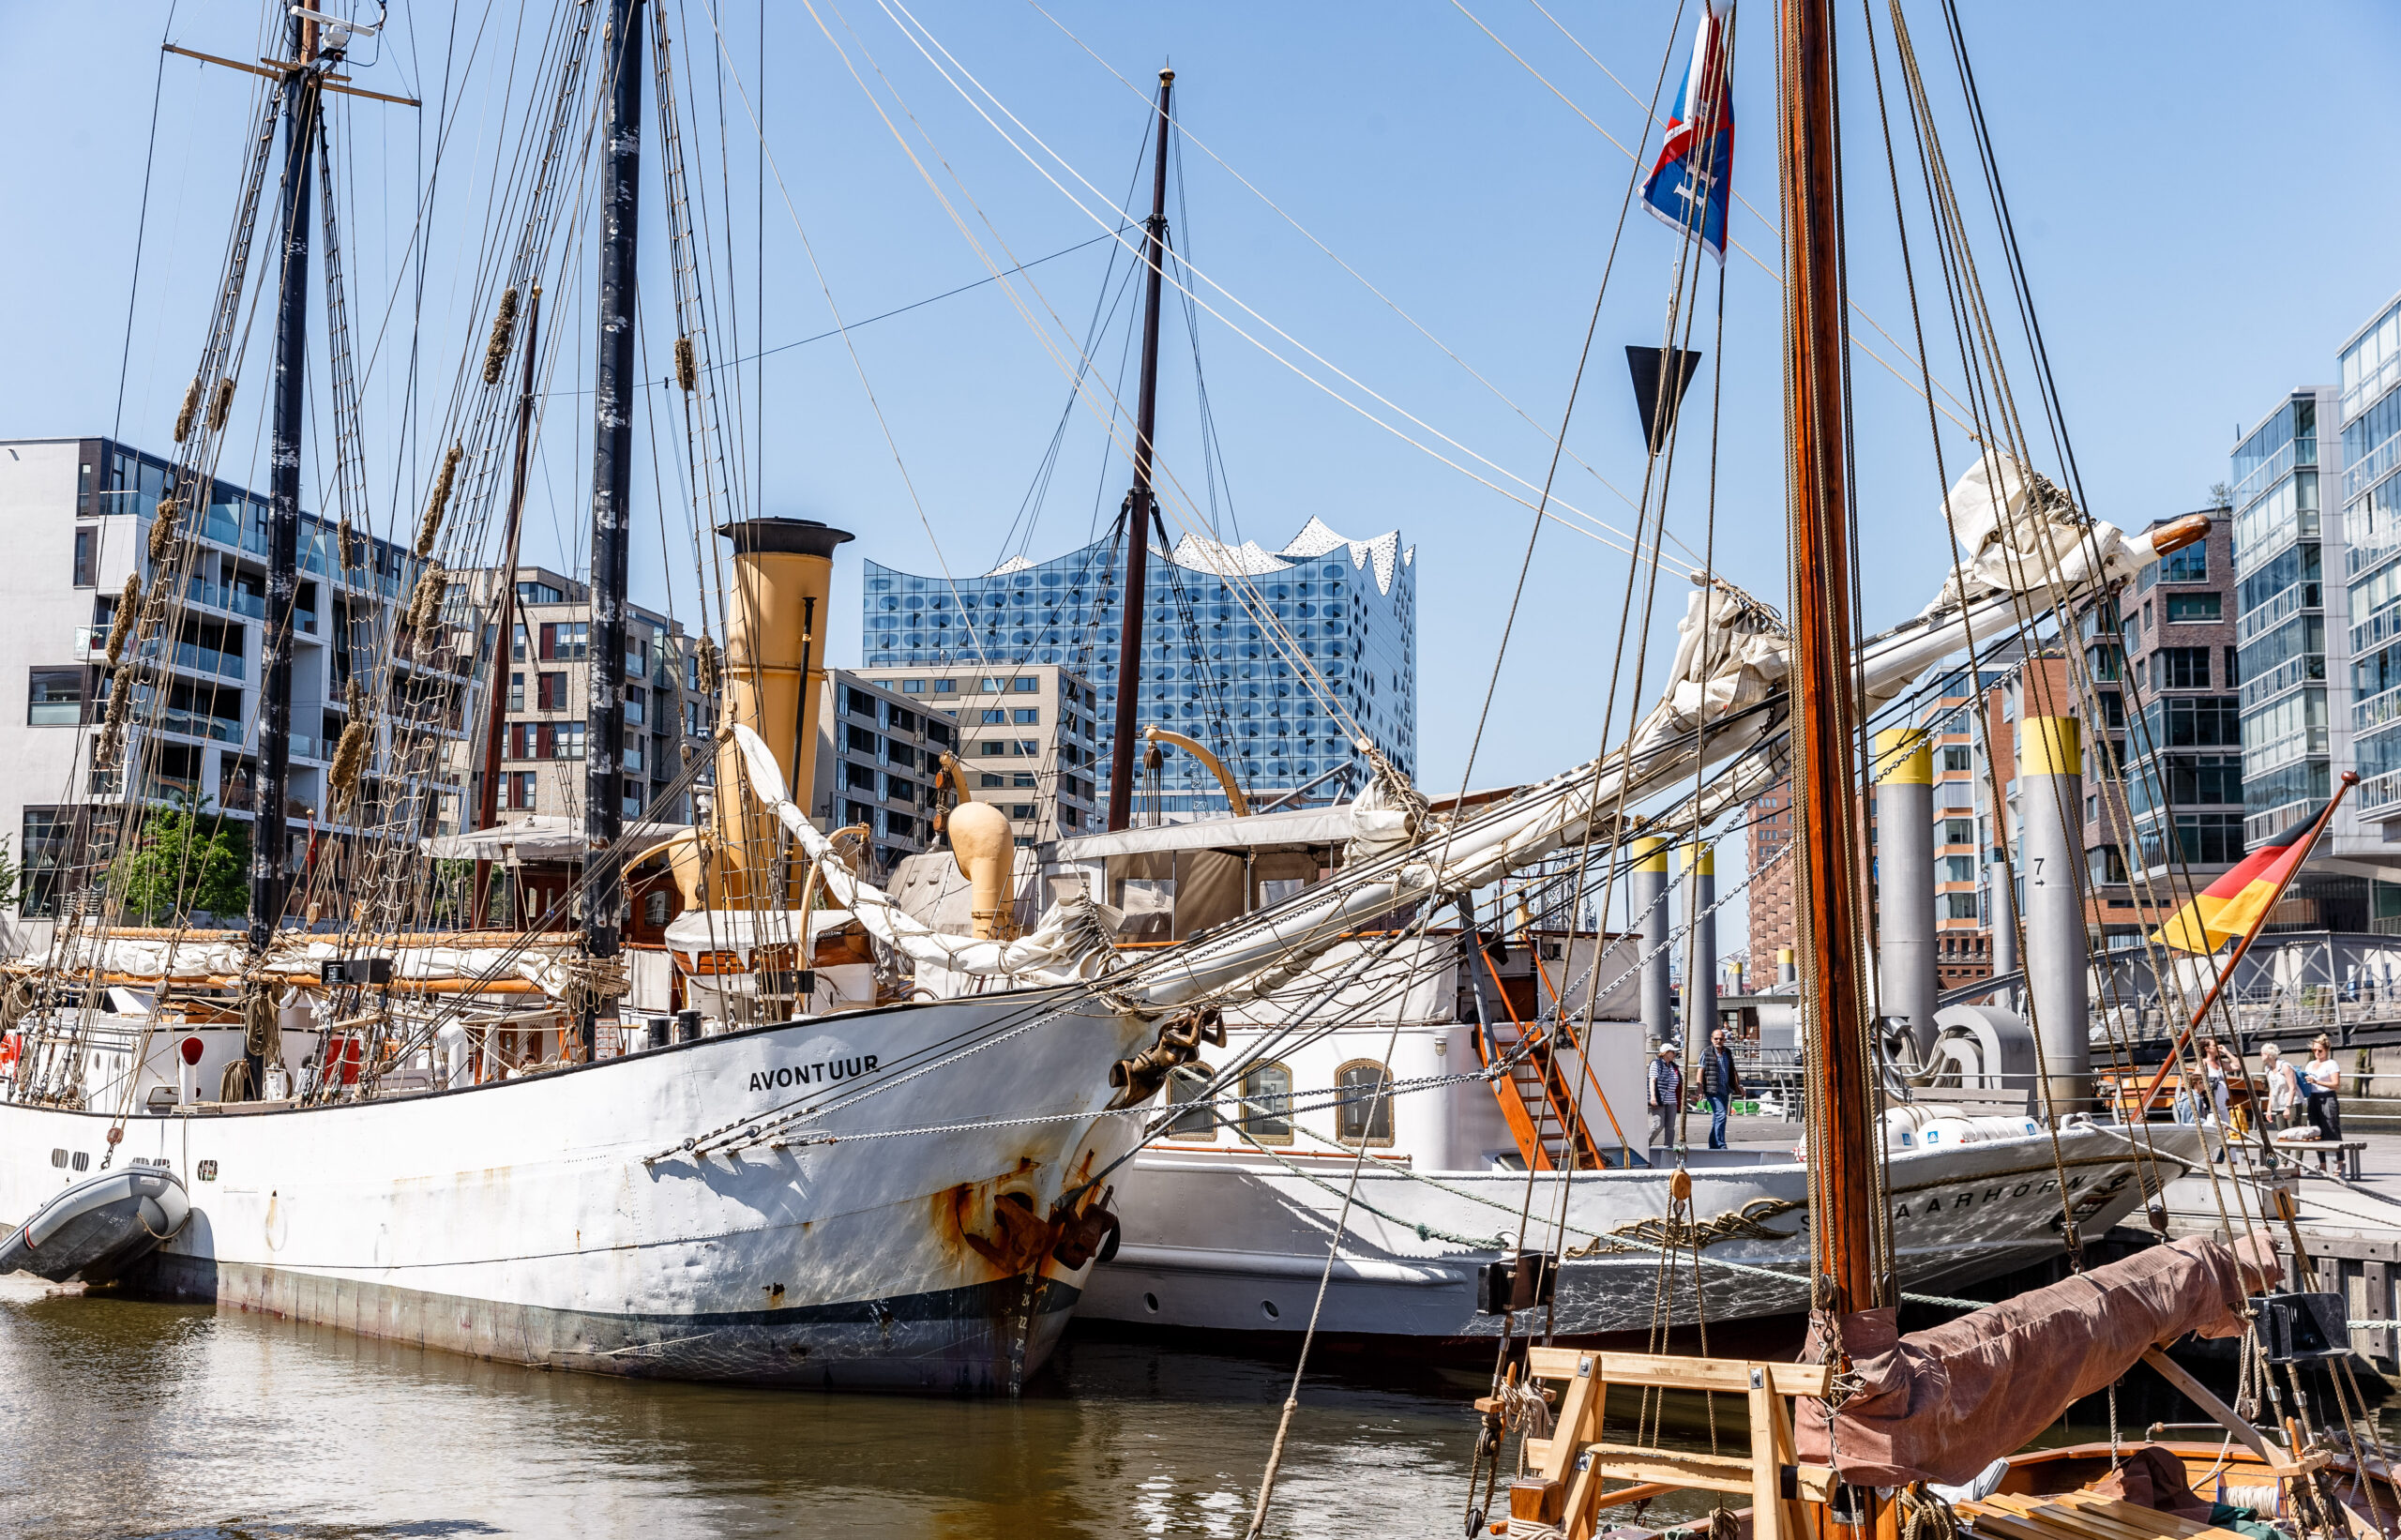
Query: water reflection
[{"x": 133, "y": 1419}]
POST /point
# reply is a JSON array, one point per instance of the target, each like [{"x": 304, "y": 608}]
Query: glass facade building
[
  {"x": 2371, "y": 506},
  {"x": 1258, "y": 655},
  {"x": 2283, "y": 543}
]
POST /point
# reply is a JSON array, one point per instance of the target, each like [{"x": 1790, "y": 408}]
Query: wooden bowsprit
[{"x": 1568, "y": 1488}]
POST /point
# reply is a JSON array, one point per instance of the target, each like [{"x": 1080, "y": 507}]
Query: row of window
[{"x": 1265, "y": 1114}]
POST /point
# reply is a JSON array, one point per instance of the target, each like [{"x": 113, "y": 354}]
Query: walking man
[
  {"x": 1720, "y": 1082},
  {"x": 1666, "y": 1096}
]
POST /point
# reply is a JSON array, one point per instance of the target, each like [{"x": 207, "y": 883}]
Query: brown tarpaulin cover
[{"x": 1942, "y": 1404}]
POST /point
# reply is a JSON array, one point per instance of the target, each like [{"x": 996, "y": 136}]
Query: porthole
[
  {"x": 83, "y": 1161},
  {"x": 209, "y": 1170},
  {"x": 1267, "y": 1308},
  {"x": 1151, "y": 1302},
  {"x": 58, "y": 1157}
]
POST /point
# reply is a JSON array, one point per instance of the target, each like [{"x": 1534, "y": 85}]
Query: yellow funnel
[{"x": 774, "y": 668}]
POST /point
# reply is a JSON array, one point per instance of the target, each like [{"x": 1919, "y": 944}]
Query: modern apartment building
[
  {"x": 1775, "y": 923},
  {"x": 2163, "y": 666},
  {"x": 878, "y": 751},
  {"x": 548, "y": 681},
  {"x": 2369, "y": 410},
  {"x": 1962, "y": 931},
  {"x": 1222, "y": 626},
  {"x": 1027, "y": 738},
  {"x": 79, "y": 513}
]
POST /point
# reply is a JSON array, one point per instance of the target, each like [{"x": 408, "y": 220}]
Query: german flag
[{"x": 2238, "y": 902}]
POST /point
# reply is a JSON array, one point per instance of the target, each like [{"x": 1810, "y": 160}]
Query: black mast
[
  {"x": 612, "y": 465},
  {"x": 300, "y": 98},
  {"x": 1140, "y": 505}
]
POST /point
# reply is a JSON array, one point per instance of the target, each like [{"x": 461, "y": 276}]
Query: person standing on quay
[
  {"x": 1720, "y": 1084},
  {"x": 2284, "y": 1088},
  {"x": 1666, "y": 1096},
  {"x": 2321, "y": 1087}
]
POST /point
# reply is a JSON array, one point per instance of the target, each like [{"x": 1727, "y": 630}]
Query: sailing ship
[{"x": 1872, "y": 1431}]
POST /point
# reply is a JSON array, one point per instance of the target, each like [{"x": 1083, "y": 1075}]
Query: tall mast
[
  {"x": 1139, "y": 504},
  {"x": 1825, "y": 709},
  {"x": 268, "y": 836},
  {"x": 496, "y": 717},
  {"x": 611, "y": 485}
]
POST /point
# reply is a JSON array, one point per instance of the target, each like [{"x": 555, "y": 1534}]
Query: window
[
  {"x": 1025, "y": 687},
  {"x": 1026, "y": 716},
  {"x": 54, "y": 698},
  {"x": 1028, "y": 749},
  {"x": 2200, "y": 779},
  {"x": 2146, "y": 614},
  {"x": 2190, "y": 564},
  {"x": 1365, "y": 1114},
  {"x": 1023, "y": 811},
  {"x": 85, "y": 556},
  {"x": 2209, "y": 722},
  {"x": 2181, "y": 668},
  {"x": 553, "y": 691},
  {"x": 1267, "y": 1104},
  {"x": 2233, "y": 672},
  {"x": 1958, "y": 831},
  {"x": 993, "y": 718},
  {"x": 517, "y": 789},
  {"x": 988, "y": 687},
  {"x": 570, "y": 741},
  {"x": 2103, "y": 864},
  {"x": 862, "y": 740},
  {"x": 1958, "y": 906},
  {"x": 913, "y": 686},
  {"x": 2113, "y": 709},
  {"x": 991, "y": 748},
  {"x": 1958, "y": 759},
  {"x": 1958, "y": 868},
  {"x": 1186, "y": 1084},
  {"x": 564, "y": 641},
  {"x": 859, "y": 776},
  {"x": 858, "y": 702},
  {"x": 2187, "y": 608},
  {"x": 516, "y": 643},
  {"x": 945, "y": 686},
  {"x": 539, "y": 592},
  {"x": 987, "y": 779},
  {"x": 1022, "y": 778},
  {"x": 516, "y": 692}
]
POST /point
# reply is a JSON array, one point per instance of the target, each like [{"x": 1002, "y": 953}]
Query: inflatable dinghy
[{"x": 97, "y": 1227}]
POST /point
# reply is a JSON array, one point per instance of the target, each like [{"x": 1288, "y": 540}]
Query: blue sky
[{"x": 2203, "y": 194}]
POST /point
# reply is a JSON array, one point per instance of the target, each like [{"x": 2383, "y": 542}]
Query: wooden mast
[
  {"x": 1139, "y": 502},
  {"x": 1825, "y": 706}
]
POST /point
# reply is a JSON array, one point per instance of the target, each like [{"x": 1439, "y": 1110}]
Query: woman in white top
[
  {"x": 2284, "y": 1088},
  {"x": 2321, "y": 1086}
]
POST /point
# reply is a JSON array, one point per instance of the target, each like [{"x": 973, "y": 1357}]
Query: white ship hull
[
  {"x": 519, "y": 1220},
  {"x": 1235, "y": 1241}
]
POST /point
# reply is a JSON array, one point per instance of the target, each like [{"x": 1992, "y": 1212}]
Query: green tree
[{"x": 187, "y": 858}]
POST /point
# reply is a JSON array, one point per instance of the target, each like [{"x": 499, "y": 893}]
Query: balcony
[
  {"x": 2281, "y": 608},
  {"x": 2288, "y": 675},
  {"x": 2377, "y": 710},
  {"x": 2380, "y": 792}
]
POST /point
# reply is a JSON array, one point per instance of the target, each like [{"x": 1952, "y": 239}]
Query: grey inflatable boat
[{"x": 97, "y": 1227}]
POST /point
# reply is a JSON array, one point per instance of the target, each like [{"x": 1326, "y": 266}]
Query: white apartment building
[{"x": 79, "y": 513}]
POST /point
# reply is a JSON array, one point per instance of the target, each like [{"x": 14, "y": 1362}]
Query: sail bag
[{"x": 1941, "y": 1405}]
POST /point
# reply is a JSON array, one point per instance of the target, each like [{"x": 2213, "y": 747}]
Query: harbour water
[{"x": 128, "y": 1418}]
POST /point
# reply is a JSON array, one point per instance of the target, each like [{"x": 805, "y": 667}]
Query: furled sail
[
  {"x": 1941, "y": 1404},
  {"x": 1724, "y": 699}
]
